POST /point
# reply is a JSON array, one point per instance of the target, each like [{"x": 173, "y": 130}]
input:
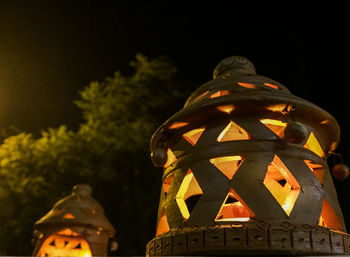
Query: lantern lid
[
  {"x": 78, "y": 209},
  {"x": 236, "y": 86}
]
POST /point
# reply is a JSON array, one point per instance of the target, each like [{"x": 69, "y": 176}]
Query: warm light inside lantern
[
  {"x": 188, "y": 194},
  {"x": 328, "y": 217},
  {"x": 271, "y": 85},
  {"x": 220, "y": 93},
  {"x": 226, "y": 108},
  {"x": 234, "y": 209},
  {"x": 233, "y": 132},
  {"x": 317, "y": 169},
  {"x": 65, "y": 243},
  {"x": 163, "y": 225},
  {"x": 278, "y": 127},
  {"x": 193, "y": 136},
  {"x": 171, "y": 158},
  {"x": 282, "y": 184},
  {"x": 247, "y": 85},
  {"x": 313, "y": 145},
  {"x": 177, "y": 125},
  {"x": 228, "y": 165}
]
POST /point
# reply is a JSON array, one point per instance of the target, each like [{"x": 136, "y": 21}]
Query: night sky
[{"x": 49, "y": 50}]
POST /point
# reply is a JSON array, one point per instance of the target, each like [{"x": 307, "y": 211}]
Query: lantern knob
[
  {"x": 340, "y": 171},
  {"x": 82, "y": 190},
  {"x": 234, "y": 64},
  {"x": 159, "y": 157},
  {"x": 295, "y": 133}
]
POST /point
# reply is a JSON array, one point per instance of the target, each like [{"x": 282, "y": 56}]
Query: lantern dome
[
  {"x": 245, "y": 171},
  {"x": 78, "y": 216}
]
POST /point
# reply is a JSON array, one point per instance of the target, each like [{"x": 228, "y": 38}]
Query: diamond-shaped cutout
[
  {"x": 276, "y": 126},
  {"x": 233, "y": 132},
  {"x": 171, "y": 158},
  {"x": 228, "y": 165},
  {"x": 193, "y": 135},
  {"x": 328, "y": 217},
  {"x": 188, "y": 194},
  {"x": 317, "y": 169},
  {"x": 313, "y": 145},
  {"x": 163, "y": 225},
  {"x": 282, "y": 184},
  {"x": 233, "y": 209}
]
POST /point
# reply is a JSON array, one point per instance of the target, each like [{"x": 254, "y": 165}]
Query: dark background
[{"x": 51, "y": 50}]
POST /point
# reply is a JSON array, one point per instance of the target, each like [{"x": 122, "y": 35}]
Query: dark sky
[{"x": 49, "y": 50}]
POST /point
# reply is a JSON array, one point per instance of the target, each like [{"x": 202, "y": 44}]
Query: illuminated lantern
[
  {"x": 75, "y": 226},
  {"x": 246, "y": 171}
]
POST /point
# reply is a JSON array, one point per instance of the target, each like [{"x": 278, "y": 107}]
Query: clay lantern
[
  {"x": 75, "y": 226},
  {"x": 245, "y": 171}
]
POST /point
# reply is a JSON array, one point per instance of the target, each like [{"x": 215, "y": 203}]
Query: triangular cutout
[
  {"x": 317, "y": 169},
  {"x": 68, "y": 216},
  {"x": 193, "y": 135},
  {"x": 167, "y": 183},
  {"x": 163, "y": 225},
  {"x": 228, "y": 165},
  {"x": 276, "y": 126},
  {"x": 188, "y": 188},
  {"x": 171, "y": 158},
  {"x": 53, "y": 243},
  {"x": 282, "y": 184},
  {"x": 328, "y": 217},
  {"x": 233, "y": 132},
  {"x": 234, "y": 209},
  {"x": 78, "y": 246},
  {"x": 313, "y": 145}
]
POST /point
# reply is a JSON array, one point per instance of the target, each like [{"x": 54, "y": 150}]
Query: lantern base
[{"x": 251, "y": 238}]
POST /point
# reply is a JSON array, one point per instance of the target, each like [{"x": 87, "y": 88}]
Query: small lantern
[
  {"x": 75, "y": 226},
  {"x": 245, "y": 171}
]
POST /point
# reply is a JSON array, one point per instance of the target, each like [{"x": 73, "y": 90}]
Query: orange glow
[
  {"x": 247, "y": 85},
  {"x": 313, "y": 145},
  {"x": 271, "y": 85},
  {"x": 68, "y": 216},
  {"x": 277, "y": 107},
  {"x": 167, "y": 183},
  {"x": 200, "y": 96},
  {"x": 233, "y": 132},
  {"x": 163, "y": 225},
  {"x": 234, "y": 209},
  {"x": 328, "y": 217},
  {"x": 220, "y": 93},
  {"x": 226, "y": 108},
  {"x": 171, "y": 158},
  {"x": 276, "y": 126},
  {"x": 177, "y": 125},
  {"x": 60, "y": 245},
  {"x": 324, "y": 122},
  {"x": 67, "y": 232},
  {"x": 282, "y": 184},
  {"x": 317, "y": 169},
  {"x": 193, "y": 136},
  {"x": 228, "y": 165},
  {"x": 189, "y": 187}
]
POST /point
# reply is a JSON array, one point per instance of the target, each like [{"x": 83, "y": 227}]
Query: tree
[{"x": 109, "y": 151}]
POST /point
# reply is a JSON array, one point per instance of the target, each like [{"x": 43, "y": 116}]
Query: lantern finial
[
  {"x": 234, "y": 64},
  {"x": 82, "y": 190}
]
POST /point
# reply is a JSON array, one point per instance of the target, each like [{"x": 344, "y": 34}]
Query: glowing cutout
[
  {"x": 68, "y": 216},
  {"x": 188, "y": 191},
  {"x": 167, "y": 183},
  {"x": 234, "y": 209},
  {"x": 317, "y": 169},
  {"x": 171, "y": 158},
  {"x": 247, "y": 85},
  {"x": 282, "y": 184},
  {"x": 271, "y": 85},
  {"x": 220, "y": 93},
  {"x": 233, "y": 132},
  {"x": 163, "y": 225},
  {"x": 193, "y": 136},
  {"x": 228, "y": 165},
  {"x": 65, "y": 245},
  {"x": 276, "y": 126},
  {"x": 177, "y": 125},
  {"x": 226, "y": 108},
  {"x": 328, "y": 217},
  {"x": 313, "y": 145},
  {"x": 277, "y": 107}
]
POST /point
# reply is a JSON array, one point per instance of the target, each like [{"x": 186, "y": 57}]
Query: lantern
[
  {"x": 75, "y": 226},
  {"x": 245, "y": 171}
]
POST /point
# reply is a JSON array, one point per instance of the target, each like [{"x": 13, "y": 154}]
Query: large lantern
[
  {"x": 245, "y": 171},
  {"x": 75, "y": 226}
]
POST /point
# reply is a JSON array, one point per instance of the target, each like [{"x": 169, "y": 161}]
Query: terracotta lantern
[
  {"x": 245, "y": 171},
  {"x": 75, "y": 226}
]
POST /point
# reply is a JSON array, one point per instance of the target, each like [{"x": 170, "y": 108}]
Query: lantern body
[
  {"x": 76, "y": 226},
  {"x": 234, "y": 184}
]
